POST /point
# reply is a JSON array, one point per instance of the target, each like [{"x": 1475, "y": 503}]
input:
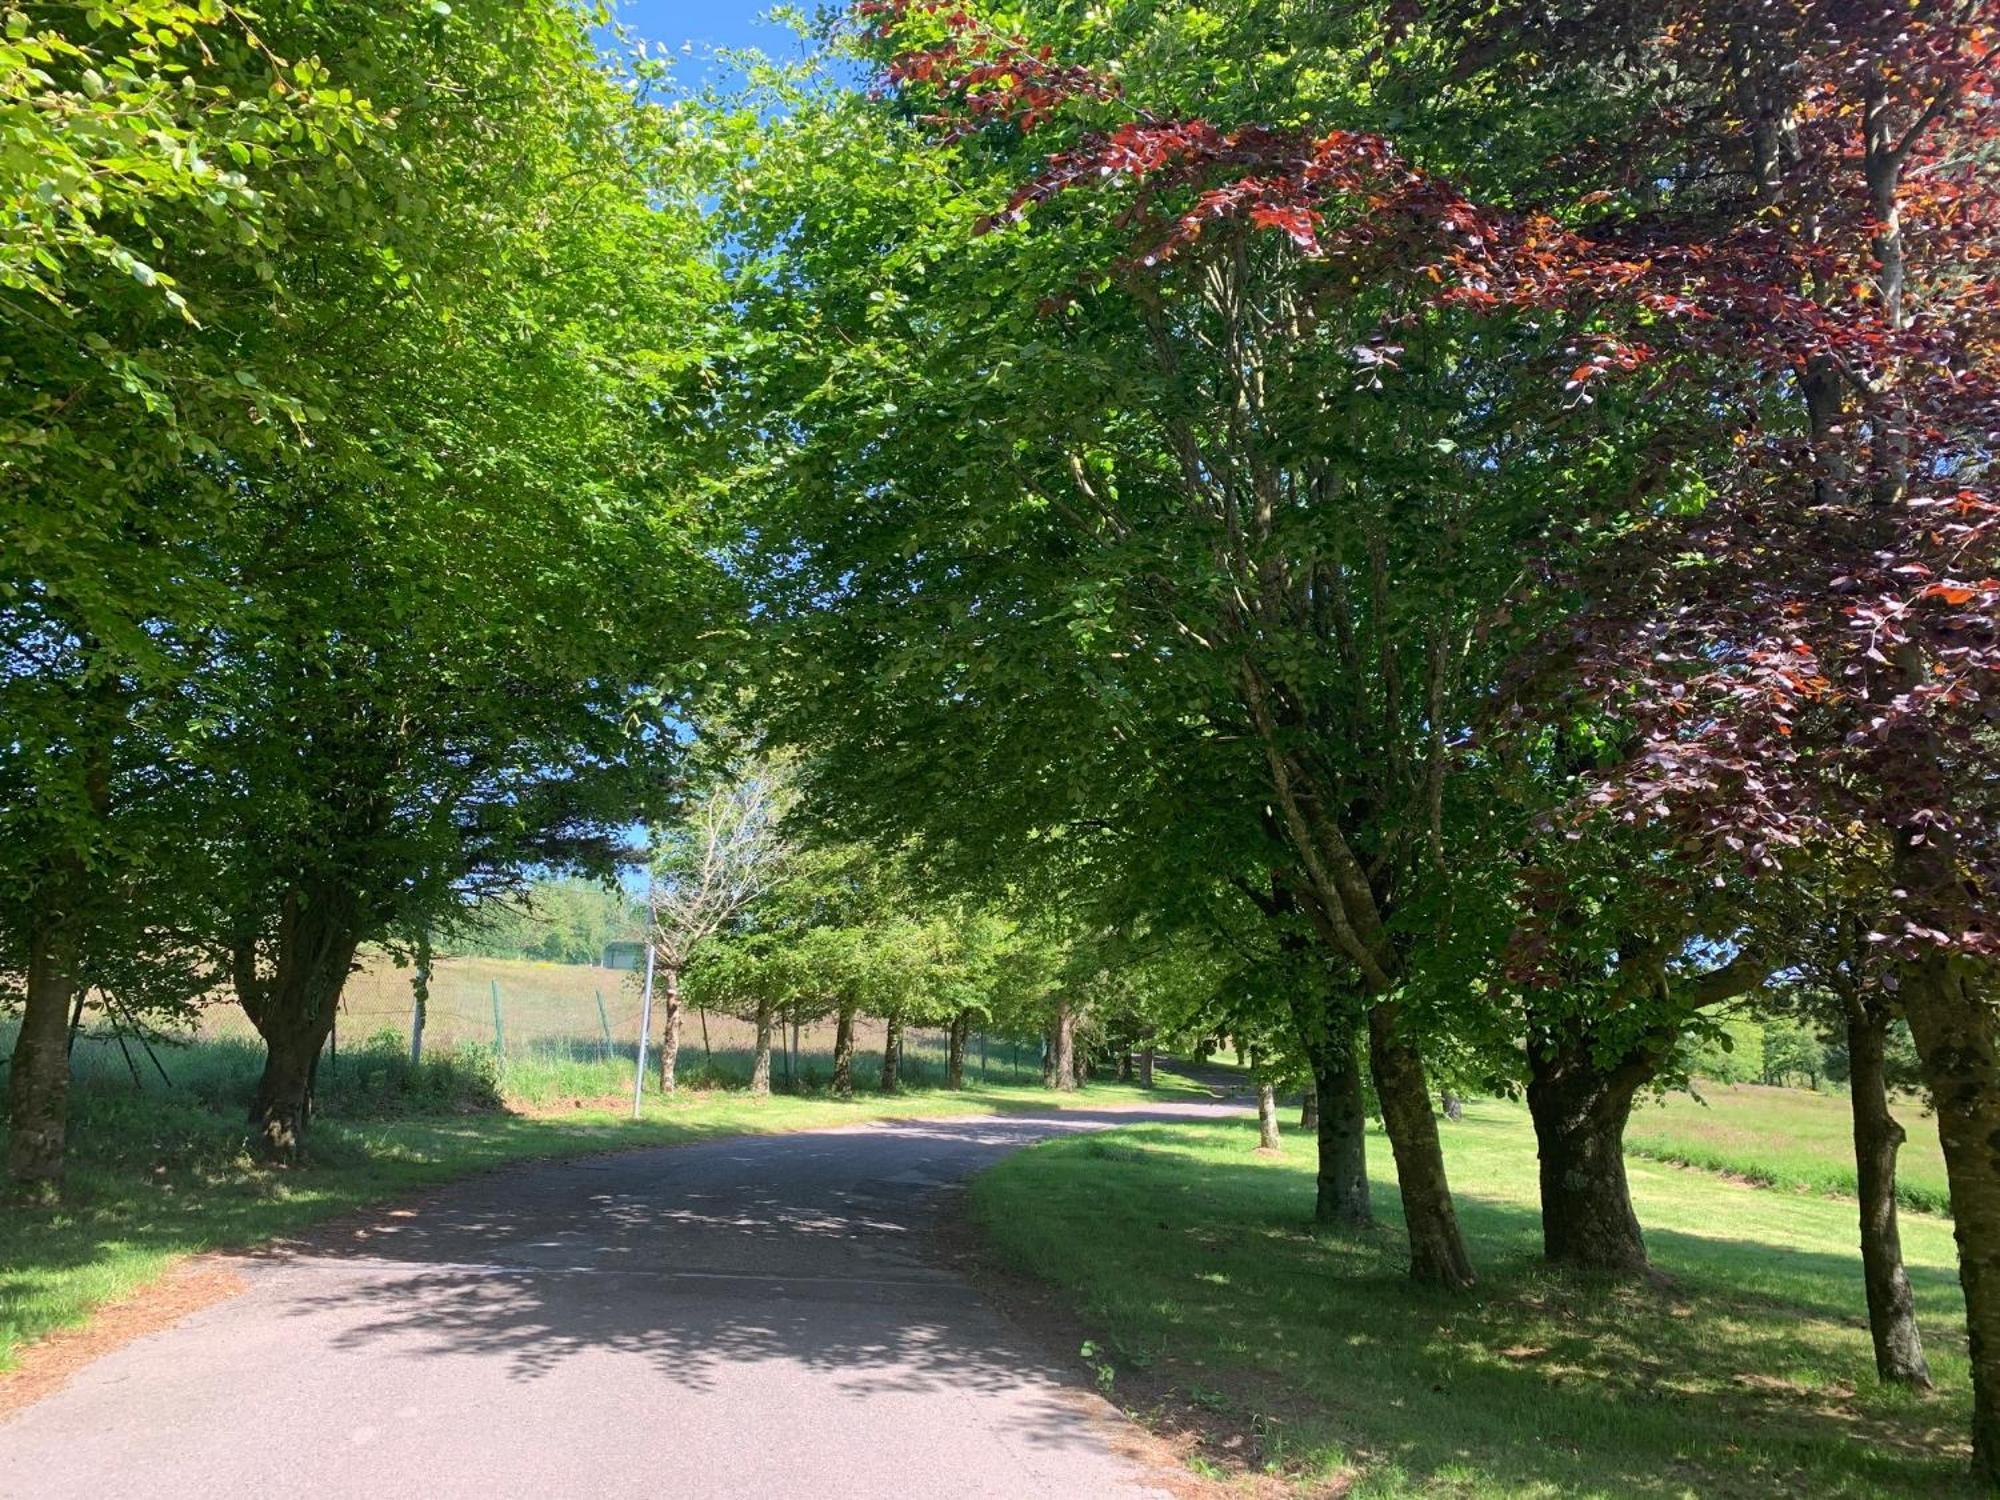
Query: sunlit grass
[
  {"x": 1191, "y": 1262},
  {"x": 1787, "y": 1138}
]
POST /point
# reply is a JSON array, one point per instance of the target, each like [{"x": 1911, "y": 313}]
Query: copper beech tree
[{"x": 1794, "y": 228}]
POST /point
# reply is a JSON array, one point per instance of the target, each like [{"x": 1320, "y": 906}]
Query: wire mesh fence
[{"x": 532, "y": 1014}]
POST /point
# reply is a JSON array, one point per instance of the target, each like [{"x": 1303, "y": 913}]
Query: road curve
[{"x": 746, "y": 1317}]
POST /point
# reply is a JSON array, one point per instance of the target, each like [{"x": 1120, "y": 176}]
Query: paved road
[{"x": 741, "y": 1318}]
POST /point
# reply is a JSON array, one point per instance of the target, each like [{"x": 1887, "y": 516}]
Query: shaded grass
[
  {"x": 1785, "y": 1138},
  {"x": 158, "y": 1173},
  {"x": 1197, "y": 1274}
]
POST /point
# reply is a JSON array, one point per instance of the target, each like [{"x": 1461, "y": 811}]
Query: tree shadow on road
[{"x": 806, "y": 1251}]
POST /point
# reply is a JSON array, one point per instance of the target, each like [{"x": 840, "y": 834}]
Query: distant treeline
[{"x": 564, "y": 921}]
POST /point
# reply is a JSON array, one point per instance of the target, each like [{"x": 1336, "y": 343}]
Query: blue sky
[{"x": 706, "y": 25}]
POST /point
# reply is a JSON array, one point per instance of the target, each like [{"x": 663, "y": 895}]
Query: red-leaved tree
[{"x": 1804, "y": 222}]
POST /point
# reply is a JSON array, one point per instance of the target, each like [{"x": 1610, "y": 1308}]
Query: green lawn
[
  {"x": 1201, "y": 1285},
  {"x": 1787, "y": 1138},
  {"x": 159, "y": 1173}
]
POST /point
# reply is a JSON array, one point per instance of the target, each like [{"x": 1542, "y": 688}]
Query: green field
[
  {"x": 158, "y": 1172},
  {"x": 1204, "y": 1291},
  {"x": 1785, "y": 1138}
]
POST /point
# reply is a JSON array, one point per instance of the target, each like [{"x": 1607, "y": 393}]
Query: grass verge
[
  {"x": 1211, "y": 1304},
  {"x": 158, "y": 1173}
]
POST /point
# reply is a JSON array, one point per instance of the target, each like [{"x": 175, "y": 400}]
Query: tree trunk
[
  {"x": 1892, "y": 1313},
  {"x": 1146, "y": 1067},
  {"x": 670, "y": 1028},
  {"x": 1343, "y": 1134},
  {"x": 38, "y": 1085},
  {"x": 1438, "y": 1256},
  {"x": 1580, "y": 1109},
  {"x": 954, "y": 1067},
  {"x": 1958, "y": 1042},
  {"x": 294, "y": 1010},
  {"x": 1267, "y": 1115},
  {"x": 1309, "y": 1105},
  {"x": 892, "y": 1055},
  {"x": 1065, "y": 1048},
  {"x": 1049, "y": 1058},
  {"x": 282, "y": 1104},
  {"x": 1124, "y": 1064},
  {"x": 420, "y": 998},
  {"x": 843, "y": 1051},
  {"x": 1454, "y": 1107},
  {"x": 38, "y": 1088},
  {"x": 760, "y": 1063}
]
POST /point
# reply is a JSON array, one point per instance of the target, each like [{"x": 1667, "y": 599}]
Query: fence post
[
  {"x": 604, "y": 1023},
  {"x": 645, "y": 1025},
  {"x": 499, "y": 1034}
]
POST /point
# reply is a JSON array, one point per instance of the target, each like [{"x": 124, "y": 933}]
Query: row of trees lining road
[
  {"x": 346, "y": 569},
  {"x": 753, "y": 916},
  {"x": 1452, "y": 543},
  {"x": 1518, "y": 546}
]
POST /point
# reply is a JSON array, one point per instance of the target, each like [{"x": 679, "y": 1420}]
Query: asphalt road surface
[{"x": 741, "y": 1318}]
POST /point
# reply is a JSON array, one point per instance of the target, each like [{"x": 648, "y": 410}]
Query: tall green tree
[{"x": 159, "y": 159}]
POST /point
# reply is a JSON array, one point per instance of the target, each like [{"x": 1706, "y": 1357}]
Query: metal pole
[{"x": 645, "y": 1025}]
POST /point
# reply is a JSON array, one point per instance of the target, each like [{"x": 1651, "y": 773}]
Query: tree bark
[
  {"x": 1309, "y": 1104},
  {"x": 892, "y": 1055},
  {"x": 843, "y": 1051},
  {"x": 1267, "y": 1115},
  {"x": 1064, "y": 1051},
  {"x": 760, "y": 1063},
  {"x": 38, "y": 1088},
  {"x": 420, "y": 998},
  {"x": 670, "y": 1028},
  {"x": 1146, "y": 1068},
  {"x": 954, "y": 1067},
  {"x": 1343, "y": 1135},
  {"x": 38, "y": 1085},
  {"x": 294, "y": 1009},
  {"x": 1049, "y": 1058},
  {"x": 1878, "y": 1136},
  {"x": 1438, "y": 1256},
  {"x": 1580, "y": 1108},
  {"x": 1958, "y": 1043}
]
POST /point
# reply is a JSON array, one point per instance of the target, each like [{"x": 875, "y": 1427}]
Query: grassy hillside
[
  {"x": 553, "y": 1014},
  {"x": 1209, "y": 1300},
  {"x": 1787, "y": 1138}
]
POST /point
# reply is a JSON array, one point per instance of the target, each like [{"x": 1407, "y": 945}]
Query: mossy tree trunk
[
  {"x": 1958, "y": 1041},
  {"x": 1878, "y": 1137},
  {"x": 1580, "y": 1105},
  {"x": 1438, "y": 1255},
  {"x": 1343, "y": 1133},
  {"x": 892, "y": 1054},
  {"x": 760, "y": 1062},
  {"x": 843, "y": 1050},
  {"x": 293, "y": 1008},
  {"x": 1063, "y": 1054}
]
